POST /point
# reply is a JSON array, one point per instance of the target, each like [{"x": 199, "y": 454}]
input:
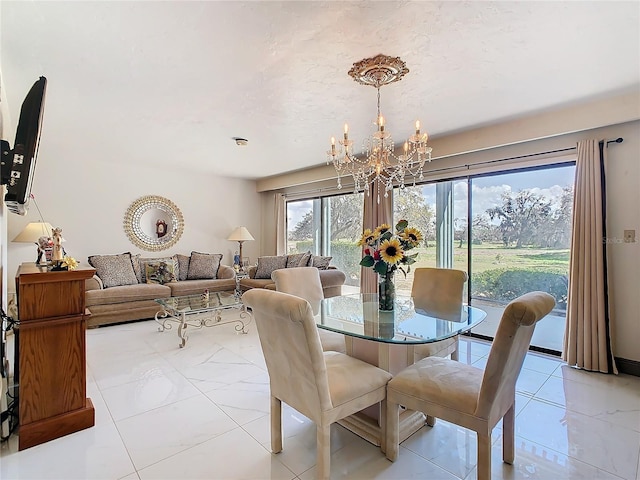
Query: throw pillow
[
  {"x": 135, "y": 261},
  {"x": 305, "y": 260},
  {"x": 114, "y": 270},
  {"x": 143, "y": 261},
  {"x": 268, "y": 264},
  {"x": 293, "y": 260},
  {"x": 321, "y": 263},
  {"x": 160, "y": 272},
  {"x": 183, "y": 266},
  {"x": 203, "y": 265}
]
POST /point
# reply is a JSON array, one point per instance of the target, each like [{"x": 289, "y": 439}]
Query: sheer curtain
[
  {"x": 374, "y": 215},
  {"x": 587, "y": 338}
]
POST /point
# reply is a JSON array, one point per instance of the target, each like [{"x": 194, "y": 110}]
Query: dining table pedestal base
[
  {"x": 368, "y": 427},
  {"x": 393, "y": 358}
]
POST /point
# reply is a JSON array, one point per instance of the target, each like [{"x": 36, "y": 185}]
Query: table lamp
[
  {"x": 32, "y": 233},
  {"x": 240, "y": 234}
]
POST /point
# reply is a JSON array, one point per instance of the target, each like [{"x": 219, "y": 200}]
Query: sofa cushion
[
  {"x": 267, "y": 264},
  {"x": 196, "y": 287},
  {"x": 203, "y": 265},
  {"x": 126, "y": 293},
  {"x": 160, "y": 272},
  {"x": 114, "y": 270},
  {"x": 143, "y": 261},
  {"x": 321, "y": 263},
  {"x": 248, "y": 283},
  {"x": 183, "y": 266}
]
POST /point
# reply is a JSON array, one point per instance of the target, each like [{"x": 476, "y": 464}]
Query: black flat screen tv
[{"x": 17, "y": 165}]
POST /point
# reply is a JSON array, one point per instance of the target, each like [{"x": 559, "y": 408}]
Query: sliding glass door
[
  {"x": 520, "y": 239},
  {"x": 509, "y": 231}
]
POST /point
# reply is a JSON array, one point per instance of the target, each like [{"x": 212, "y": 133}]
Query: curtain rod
[{"x": 617, "y": 140}]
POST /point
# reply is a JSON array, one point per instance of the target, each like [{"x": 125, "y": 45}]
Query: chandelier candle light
[{"x": 378, "y": 164}]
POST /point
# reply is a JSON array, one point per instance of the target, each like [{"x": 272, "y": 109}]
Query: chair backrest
[
  {"x": 292, "y": 350},
  {"x": 508, "y": 351},
  {"x": 438, "y": 292},
  {"x": 303, "y": 282}
]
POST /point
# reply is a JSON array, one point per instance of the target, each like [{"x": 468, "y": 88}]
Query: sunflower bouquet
[{"x": 386, "y": 251}]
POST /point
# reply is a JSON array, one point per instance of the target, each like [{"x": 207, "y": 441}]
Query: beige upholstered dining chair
[
  {"x": 304, "y": 282},
  {"x": 467, "y": 396},
  {"x": 324, "y": 386},
  {"x": 438, "y": 293}
]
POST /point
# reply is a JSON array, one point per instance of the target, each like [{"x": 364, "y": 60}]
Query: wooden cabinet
[{"x": 51, "y": 354}]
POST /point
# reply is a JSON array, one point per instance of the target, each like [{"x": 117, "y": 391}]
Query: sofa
[
  {"x": 125, "y": 286},
  {"x": 259, "y": 275}
]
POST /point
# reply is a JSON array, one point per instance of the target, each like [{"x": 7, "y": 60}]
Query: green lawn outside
[
  {"x": 499, "y": 273},
  {"x": 488, "y": 257}
]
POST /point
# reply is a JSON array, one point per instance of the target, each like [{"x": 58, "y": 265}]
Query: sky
[{"x": 486, "y": 191}]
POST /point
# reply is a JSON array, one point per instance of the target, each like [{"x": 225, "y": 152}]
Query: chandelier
[{"x": 378, "y": 165}]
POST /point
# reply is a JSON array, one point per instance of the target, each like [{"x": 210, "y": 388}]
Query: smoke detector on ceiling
[{"x": 241, "y": 141}]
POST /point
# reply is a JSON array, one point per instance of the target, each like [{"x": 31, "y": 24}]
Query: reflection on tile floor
[{"x": 203, "y": 412}]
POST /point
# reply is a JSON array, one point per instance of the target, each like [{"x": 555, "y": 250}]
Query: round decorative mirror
[{"x": 153, "y": 223}]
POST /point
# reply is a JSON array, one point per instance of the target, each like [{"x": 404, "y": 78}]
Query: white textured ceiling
[{"x": 169, "y": 84}]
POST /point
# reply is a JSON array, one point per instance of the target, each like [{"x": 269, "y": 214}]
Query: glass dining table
[{"x": 388, "y": 339}]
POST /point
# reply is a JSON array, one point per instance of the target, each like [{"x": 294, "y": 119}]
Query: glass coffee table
[{"x": 199, "y": 311}]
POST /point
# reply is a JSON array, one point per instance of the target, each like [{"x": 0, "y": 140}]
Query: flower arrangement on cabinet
[
  {"x": 386, "y": 251},
  {"x": 69, "y": 263}
]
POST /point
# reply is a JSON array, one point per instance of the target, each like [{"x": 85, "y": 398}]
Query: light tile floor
[{"x": 202, "y": 411}]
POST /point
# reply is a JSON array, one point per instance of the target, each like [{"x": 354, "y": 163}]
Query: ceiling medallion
[
  {"x": 379, "y": 70},
  {"x": 378, "y": 165}
]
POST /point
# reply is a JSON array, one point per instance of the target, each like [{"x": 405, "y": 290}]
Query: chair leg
[
  {"x": 276, "y": 425},
  {"x": 383, "y": 426},
  {"x": 323, "y": 454},
  {"x": 393, "y": 430},
  {"x": 508, "y": 436},
  {"x": 484, "y": 457},
  {"x": 455, "y": 355}
]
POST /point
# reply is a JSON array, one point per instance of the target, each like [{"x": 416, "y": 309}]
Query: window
[{"x": 328, "y": 226}]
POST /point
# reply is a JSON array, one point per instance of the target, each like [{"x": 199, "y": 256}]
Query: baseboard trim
[{"x": 630, "y": 367}]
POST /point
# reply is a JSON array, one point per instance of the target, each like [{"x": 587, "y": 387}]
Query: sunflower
[
  {"x": 412, "y": 236},
  {"x": 381, "y": 229},
  {"x": 391, "y": 251},
  {"x": 367, "y": 238}
]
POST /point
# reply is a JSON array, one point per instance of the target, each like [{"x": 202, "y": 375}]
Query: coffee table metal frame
[{"x": 198, "y": 311}]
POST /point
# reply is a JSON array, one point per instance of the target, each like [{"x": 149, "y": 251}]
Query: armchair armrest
[{"x": 226, "y": 272}]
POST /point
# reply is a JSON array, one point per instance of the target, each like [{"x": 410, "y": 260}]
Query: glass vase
[{"x": 386, "y": 292}]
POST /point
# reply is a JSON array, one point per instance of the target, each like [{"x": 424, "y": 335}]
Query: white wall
[{"x": 89, "y": 198}]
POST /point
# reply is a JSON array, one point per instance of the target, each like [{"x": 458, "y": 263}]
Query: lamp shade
[
  {"x": 33, "y": 231},
  {"x": 240, "y": 234}
]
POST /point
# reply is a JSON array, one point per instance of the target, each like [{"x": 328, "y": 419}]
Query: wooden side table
[{"x": 51, "y": 354}]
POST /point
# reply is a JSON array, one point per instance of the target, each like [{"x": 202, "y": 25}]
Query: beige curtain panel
[
  {"x": 374, "y": 215},
  {"x": 587, "y": 338},
  {"x": 281, "y": 223}
]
